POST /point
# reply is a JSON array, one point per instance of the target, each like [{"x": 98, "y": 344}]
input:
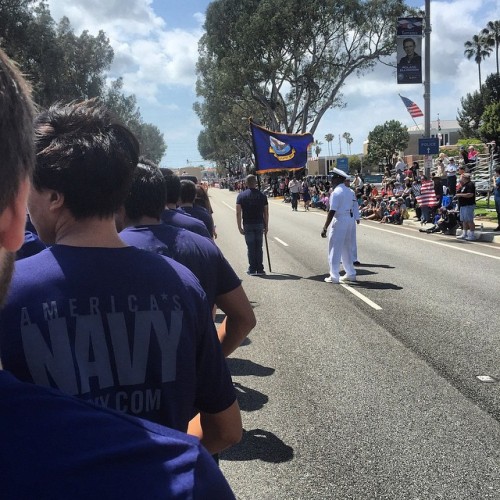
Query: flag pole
[{"x": 265, "y": 234}]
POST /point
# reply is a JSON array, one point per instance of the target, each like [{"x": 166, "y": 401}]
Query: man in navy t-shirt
[
  {"x": 95, "y": 318},
  {"x": 253, "y": 211},
  {"x": 140, "y": 216},
  {"x": 170, "y": 215},
  {"x": 186, "y": 205},
  {"x": 55, "y": 446}
]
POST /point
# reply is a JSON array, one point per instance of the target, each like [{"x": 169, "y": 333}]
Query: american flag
[
  {"x": 427, "y": 196},
  {"x": 412, "y": 108}
]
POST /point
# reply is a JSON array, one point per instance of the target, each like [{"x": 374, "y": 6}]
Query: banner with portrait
[{"x": 409, "y": 50}]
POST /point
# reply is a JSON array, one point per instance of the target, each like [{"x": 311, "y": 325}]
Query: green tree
[
  {"x": 478, "y": 49},
  {"x": 149, "y": 136},
  {"x": 386, "y": 140},
  {"x": 349, "y": 140},
  {"x": 151, "y": 140},
  {"x": 317, "y": 147},
  {"x": 492, "y": 37},
  {"x": 490, "y": 123},
  {"x": 287, "y": 70},
  {"x": 15, "y": 19},
  {"x": 474, "y": 105},
  {"x": 329, "y": 138}
]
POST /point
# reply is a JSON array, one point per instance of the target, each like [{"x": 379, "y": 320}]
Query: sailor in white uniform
[{"x": 340, "y": 235}]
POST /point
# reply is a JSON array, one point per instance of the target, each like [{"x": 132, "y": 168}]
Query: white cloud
[{"x": 157, "y": 61}]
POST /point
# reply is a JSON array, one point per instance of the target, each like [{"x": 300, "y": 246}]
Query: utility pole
[{"x": 427, "y": 84}]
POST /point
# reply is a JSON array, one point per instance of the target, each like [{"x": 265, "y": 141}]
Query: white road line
[
  {"x": 365, "y": 299},
  {"x": 281, "y": 241},
  {"x": 447, "y": 245},
  {"x": 229, "y": 206}
]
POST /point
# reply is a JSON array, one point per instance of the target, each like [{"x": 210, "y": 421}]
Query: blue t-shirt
[
  {"x": 122, "y": 327},
  {"x": 252, "y": 203},
  {"x": 198, "y": 254},
  {"x": 56, "y": 447},
  {"x": 200, "y": 213},
  {"x": 31, "y": 246},
  {"x": 497, "y": 187},
  {"x": 177, "y": 219}
]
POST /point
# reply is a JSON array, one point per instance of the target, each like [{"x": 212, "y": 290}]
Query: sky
[{"x": 156, "y": 48}]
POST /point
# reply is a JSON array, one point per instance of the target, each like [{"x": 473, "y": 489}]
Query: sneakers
[
  {"x": 471, "y": 237},
  {"x": 329, "y": 279},
  {"x": 356, "y": 263},
  {"x": 463, "y": 236},
  {"x": 260, "y": 273}
]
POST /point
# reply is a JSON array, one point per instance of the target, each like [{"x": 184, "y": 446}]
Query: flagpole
[
  {"x": 265, "y": 234},
  {"x": 416, "y": 124}
]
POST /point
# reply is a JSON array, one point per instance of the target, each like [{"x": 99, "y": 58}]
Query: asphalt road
[{"x": 366, "y": 391}]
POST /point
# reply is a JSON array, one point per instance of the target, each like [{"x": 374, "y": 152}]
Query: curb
[{"x": 486, "y": 235}]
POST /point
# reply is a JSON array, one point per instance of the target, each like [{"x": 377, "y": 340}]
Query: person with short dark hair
[
  {"x": 170, "y": 214},
  {"x": 252, "y": 217},
  {"x": 187, "y": 196},
  {"x": 104, "y": 321},
  {"x": 410, "y": 66},
  {"x": 140, "y": 225},
  {"x": 55, "y": 446}
]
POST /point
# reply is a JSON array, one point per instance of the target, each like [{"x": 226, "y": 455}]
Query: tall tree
[
  {"x": 492, "y": 36},
  {"x": 317, "y": 147},
  {"x": 149, "y": 136},
  {"x": 386, "y": 140},
  {"x": 260, "y": 55},
  {"x": 349, "y": 140},
  {"x": 477, "y": 49},
  {"x": 329, "y": 138},
  {"x": 490, "y": 123},
  {"x": 473, "y": 106}
]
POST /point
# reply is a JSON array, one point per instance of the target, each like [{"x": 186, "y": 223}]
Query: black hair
[
  {"x": 172, "y": 185},
  {"x": 146, "y": 197},
  {"x": 187, "y": 192},
  {"x": 86, "y": 154}
]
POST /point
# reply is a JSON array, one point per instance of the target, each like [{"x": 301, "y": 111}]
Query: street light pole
[{"x": 427, "y": 82}]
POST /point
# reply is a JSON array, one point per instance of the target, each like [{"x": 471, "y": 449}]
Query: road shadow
[
  {"x": 246, "y": 341},
  {"x": 245, "y": 367},
  {"x": 258, "y": 444},
  {"x": 249, "y": 399},
  {"x": 279, "y": 277},
  {"x": 382, "y": 266},
  {"x": 374, "y": 285}
]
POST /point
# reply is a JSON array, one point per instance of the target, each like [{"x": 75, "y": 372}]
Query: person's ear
[
  {"x": 56, "y": 200},
  {"x": 13, "y": 219}
]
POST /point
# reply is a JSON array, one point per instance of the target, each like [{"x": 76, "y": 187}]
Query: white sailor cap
[{"x": 336, "y": 173}]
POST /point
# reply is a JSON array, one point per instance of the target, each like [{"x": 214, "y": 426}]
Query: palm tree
[
  {"x": 349, "y": 140},
  {"x": 317, "y": 148},
  {"x": 492, "y": 35},
  {"x": 477, "y": 49},
  {"x": 329, "y": 138}
]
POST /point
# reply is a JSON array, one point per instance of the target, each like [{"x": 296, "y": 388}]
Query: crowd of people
[{"x": 114, "y": 380}]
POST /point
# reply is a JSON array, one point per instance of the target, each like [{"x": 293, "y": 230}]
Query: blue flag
[{"x": 277, "y": 151}]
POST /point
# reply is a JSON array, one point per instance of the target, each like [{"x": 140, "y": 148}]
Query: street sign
[
  {"x": 428, "y": 146},
  {"x": 343, "y": 164}
]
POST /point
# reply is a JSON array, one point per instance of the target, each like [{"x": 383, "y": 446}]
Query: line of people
[{"x": 102, "y": 326}]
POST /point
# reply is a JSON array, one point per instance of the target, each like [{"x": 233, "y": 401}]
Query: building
[{"x": 448, "y": 135}]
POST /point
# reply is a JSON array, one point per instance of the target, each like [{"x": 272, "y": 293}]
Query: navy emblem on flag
[{"x": 278, "y": 151}]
